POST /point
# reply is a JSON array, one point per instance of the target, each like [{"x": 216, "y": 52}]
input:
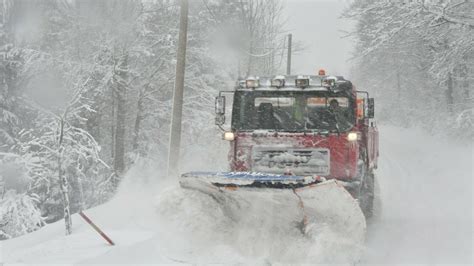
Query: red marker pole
[{"x": 96, "y": 228}]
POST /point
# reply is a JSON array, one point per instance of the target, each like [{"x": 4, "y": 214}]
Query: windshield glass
[{"x": 293, "y": 111}]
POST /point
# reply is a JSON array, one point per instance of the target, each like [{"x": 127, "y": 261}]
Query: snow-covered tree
[
  {"x": 19, "y": 214},
  {"x": 421, "y": 54},
  {"x": 86, "y": 87}
]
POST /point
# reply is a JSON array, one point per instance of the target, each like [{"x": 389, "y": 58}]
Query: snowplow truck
[{"x": 309, "y": 142}]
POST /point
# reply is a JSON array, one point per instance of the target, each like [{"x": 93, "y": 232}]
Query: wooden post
[
  {"x": 96, "y": 228},
  {"x": 175, "y": 134},
  {"x": 288, "y": 60}
]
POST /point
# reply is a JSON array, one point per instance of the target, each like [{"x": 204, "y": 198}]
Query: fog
[
  {"x": 323, "y": 34},
  {"x": 86, "y": 100}
]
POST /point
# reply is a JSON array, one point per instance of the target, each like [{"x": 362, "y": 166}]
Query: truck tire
[
  {"x": 366, "y": 194},
  {"x": 365, "y": 191}
]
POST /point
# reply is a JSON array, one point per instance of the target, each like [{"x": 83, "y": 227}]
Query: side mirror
[
  {"x": 371, "y": 108},
  {"x": 220, "y": 110},
  {"x": 220, "y": 105}
]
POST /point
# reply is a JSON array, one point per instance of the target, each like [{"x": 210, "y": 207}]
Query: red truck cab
[{"x": 304, "y": 125}]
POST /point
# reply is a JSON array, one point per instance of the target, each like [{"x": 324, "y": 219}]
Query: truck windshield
[{"x": 293, "y": 111}]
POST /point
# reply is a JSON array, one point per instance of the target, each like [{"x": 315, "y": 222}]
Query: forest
[{"x": 86, "y": 86}]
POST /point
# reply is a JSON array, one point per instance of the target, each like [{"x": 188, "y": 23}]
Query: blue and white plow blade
[{"x": 310, "y": 201}]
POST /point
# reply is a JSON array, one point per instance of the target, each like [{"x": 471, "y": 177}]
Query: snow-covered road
[
  {"x": 425, "y": 208},
  {"x": 424, "y": 216}
]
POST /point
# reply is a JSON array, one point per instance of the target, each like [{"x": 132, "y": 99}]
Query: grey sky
[{"x": 317, "y": 24}]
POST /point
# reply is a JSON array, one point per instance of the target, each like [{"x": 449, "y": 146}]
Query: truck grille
[{"x": 298, "y": 161}]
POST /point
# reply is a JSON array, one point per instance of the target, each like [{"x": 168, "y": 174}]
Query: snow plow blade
[{"x": 310, "y": 200}]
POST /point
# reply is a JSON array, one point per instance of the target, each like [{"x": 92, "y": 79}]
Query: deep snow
[
  {"x": 426, "y": 213},
  {"x": 424, "y": 216}
]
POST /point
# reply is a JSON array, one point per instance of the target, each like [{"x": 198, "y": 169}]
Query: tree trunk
[
  {"x": 63, "y": 183},
  {"x": 449, "y": 93},
  {"x": 120, "y": 96},
  {"x": 138, "y": 121},
  {"x": 399, "y": 87},
  {"x": 81, "y": 194},
  {"x": 112, "y": 126},
  {"x": 464, "y": 76},
  {"x": 119, "y": 158}
]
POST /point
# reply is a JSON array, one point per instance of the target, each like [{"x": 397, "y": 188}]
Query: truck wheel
[{"x": 366, "y": 195}]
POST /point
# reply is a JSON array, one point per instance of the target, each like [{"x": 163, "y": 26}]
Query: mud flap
[{"x": 303, "y": 201}]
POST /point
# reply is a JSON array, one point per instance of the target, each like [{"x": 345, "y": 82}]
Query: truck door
[{"x": 369, "y": 129}]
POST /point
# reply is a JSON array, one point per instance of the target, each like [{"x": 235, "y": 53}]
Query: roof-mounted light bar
[
  {"x": 252, "y": 83},
  {"x": 278, "y": 82},
  {"x": 291, "y": 82},
  {"x": 329, "y": 82},
  {"x": 302, "y": 82}
]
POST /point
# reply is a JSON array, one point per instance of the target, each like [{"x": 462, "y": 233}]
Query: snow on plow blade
[{"x": 305, "y": 199}]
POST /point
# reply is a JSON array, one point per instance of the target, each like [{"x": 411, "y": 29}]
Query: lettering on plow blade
[{"x": 283, "y": 198}]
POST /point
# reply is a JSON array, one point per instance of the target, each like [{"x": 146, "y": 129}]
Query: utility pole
[
  {"x": 175, "y": 134},
  {"x": 288, "y": 60}
]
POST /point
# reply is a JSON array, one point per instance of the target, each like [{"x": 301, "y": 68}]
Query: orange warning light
[
  {"x": 360, "y": 108},
  {"x": 322, "y": 72}
]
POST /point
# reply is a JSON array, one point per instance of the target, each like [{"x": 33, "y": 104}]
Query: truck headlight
[
  {"x": 229, "y": 136},
  {"x": 353, "y": 136}
]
